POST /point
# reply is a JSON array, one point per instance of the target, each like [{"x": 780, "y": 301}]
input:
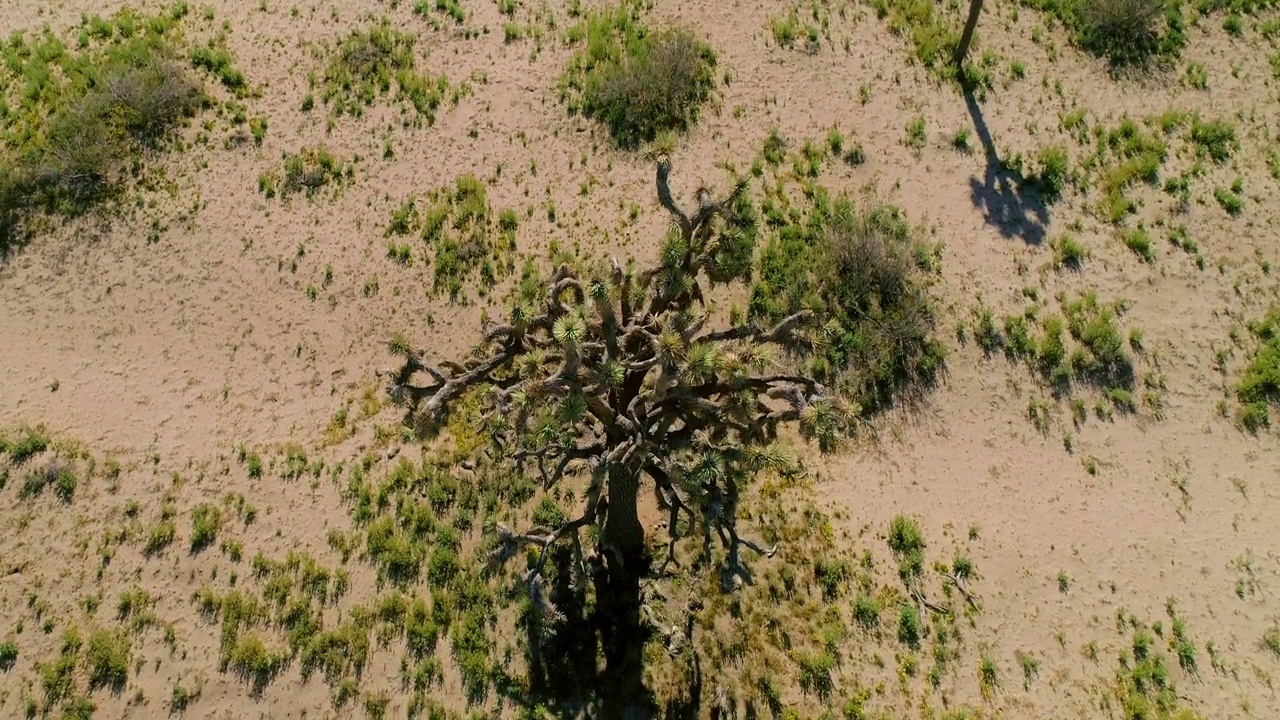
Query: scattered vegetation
[
  {"x": 465, "y": 235},
  {"x": 77, "y": 121},
  {"x": 369, "y": 63},
  {"x": 307, "y": 171}
]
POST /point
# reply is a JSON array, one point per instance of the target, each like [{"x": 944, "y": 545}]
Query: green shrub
[
  {"x": 1128, "y": 31},
  {"x": 8, "y": 656},
  {"x": 29, "y": 443},
  {"x": 206, "y": 519},
  {"x": 82, "y": 117},
  {"x": 58, "y": 474},
  {"x": 1053, "y": 172},
  {"x": 1103, "y": 359},
  {"x": 307, "y": 170},
  {"x": 909, "y": 630},
  {"x": 160, "y": 537},
  {"x": 657, "y": 85},
  {"x": 815, "y": 673},
  {"x": 1230, "y": 200},
  {"x": 1068, "y": 252},
  {"x": 636, "y": 82},
  {"x": 58, "y": 677},
  {"x": 1216, "y": 138},
  {"x": 1259, "y": 386},
  {"x": 252, "y": 661},
  {"x": 866, "y": 611},
  {"x": 868, "y": 275},
  {"x": 1139, "y": 242},
  {"x": 108, "y": 658},
  {"x": 368, "y": 63},
  {"x": 216, "y": 59},
  {"x": 932, "y": 35}
]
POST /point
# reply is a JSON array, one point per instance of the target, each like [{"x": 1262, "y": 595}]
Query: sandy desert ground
[{"x": 160, "y": 347}]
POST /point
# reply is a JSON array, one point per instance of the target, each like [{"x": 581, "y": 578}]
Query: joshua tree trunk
[
  {"x": 962, "y": 49},
  {"x": 622, "y": 533}
]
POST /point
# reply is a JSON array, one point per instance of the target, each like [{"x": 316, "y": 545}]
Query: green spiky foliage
[{"x": 617, "y": 377}]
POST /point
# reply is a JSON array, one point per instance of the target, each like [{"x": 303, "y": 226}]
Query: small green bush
[
  {"x": 206, "y": 519},
  {"x": 1216, "y": 138},
  {"x": 869, "y": 276},
  {"x": 658, "y": 85},
  {"x": 931, "y": 33},
  {"x": 160, "y": 536},
  {"x": 8, "y": 656},
  {"x": 909, "y": 630},
  {"x": 368, "y": 63},
  {"x": 83, "y": 117},
  {"x": 29, "y": 443},
  {"x": 1127, "y": 31},
  {"x": 307, "y": 171},
  {"x": 1259, "y": 386},
  {"x": 251, "y": 660},
  {"x": 815, "y": 673},
  {"x": 1068, "y": 252},
  {"x": 636, "y": 82},
  {"x": 866, "y": 612},
  {"x": 1230, "y": 200},
  {"x": 1054, "y": 171},
  {"x": 1139, "y": 242},
  {"x": 1103, "y": 359},
  {"x": 108, "y": 657}
]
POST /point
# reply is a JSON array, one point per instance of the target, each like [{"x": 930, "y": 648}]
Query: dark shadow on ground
[
  {"x": 589, "y": 663},
  {"x": 1009, "y": 202}
]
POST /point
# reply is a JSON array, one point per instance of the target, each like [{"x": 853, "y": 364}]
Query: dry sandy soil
[{"x": 167, "y": 354}]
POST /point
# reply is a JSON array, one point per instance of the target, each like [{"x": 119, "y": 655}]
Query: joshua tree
[
  {"x": 618, "y": 377},
  {"x": 962, "y": 48}
]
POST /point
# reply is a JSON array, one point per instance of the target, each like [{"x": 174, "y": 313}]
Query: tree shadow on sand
[{"x": 1010, "y": 202}]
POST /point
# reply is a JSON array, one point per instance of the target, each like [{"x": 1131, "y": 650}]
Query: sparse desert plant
[
  {"x": 8, "y": 655},
  {"x": 1054, "y": 171},
  {"x": 1139, "y": 241},
  {"x": 1271, "y": 641},
  {"x": 1216, "y": 138},
  {"x": 368, "y": 63},
  {"x": 1030, "y": 667},
  {"x": 1259, "y": 386},
  {"x": 1124, "y": 31},
  {"x": 988, "y": 675},
  {"x": 161, "y": 535},
  {"x": 83, "y": 116},
  {"x": 1068, "y": 252},
  {"x": 108, "y": 657},
  {"x": 307, "y": 170},
  {"x": 29, "y": 442},
  {"x": 866, "y": 611},
  {"x": 1231, "y": 199},
  {"x": 640, "y": 84},
  {"x": 909, "y": 628},
  {"x": 916, "y": 138},
  {"x": 206, "y": 519},
  {"x": 874, "y": 270}
]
